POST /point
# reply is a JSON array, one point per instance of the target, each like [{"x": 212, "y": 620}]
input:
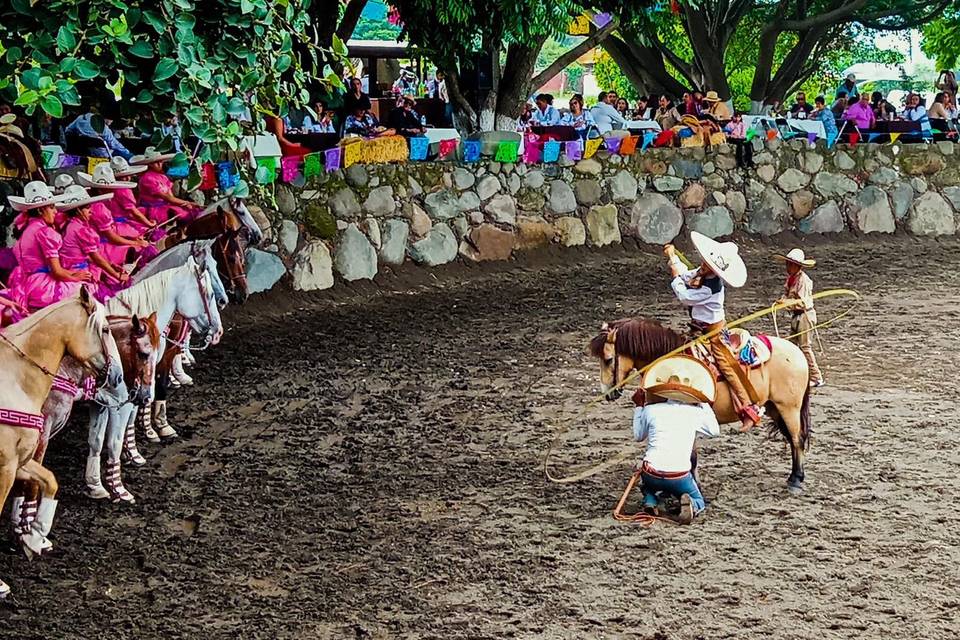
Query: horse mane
[
  {"x": 146, "y": 296},
  {"x": 642, "y": 339},
  {"x": 96, "y": 320}
]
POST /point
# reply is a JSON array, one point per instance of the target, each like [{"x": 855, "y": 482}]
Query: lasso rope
[{"x": 620, "y": 457}]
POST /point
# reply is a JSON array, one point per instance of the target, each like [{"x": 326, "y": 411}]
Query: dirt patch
[{"x": 365, "y": 464}]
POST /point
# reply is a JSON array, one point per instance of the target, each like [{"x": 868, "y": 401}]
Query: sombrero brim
[
  {"x": 678, "y": 392},
  {"x": 141, "y": 161},
  {"x": 129, "y": 171},
  {"x": 19, "y": 204},
  {"x": 735, "y": 272},
  {"x": 86, "y": 180},
  {"x": 808, "y": 263},
  {"x": 70, "y": 206}
]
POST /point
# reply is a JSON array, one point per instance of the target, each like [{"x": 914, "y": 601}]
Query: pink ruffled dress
[
  {"x": 120, "y": 206},
  {"x": 31, "y": 283},
  {"x": 79, "y": 242},
  {"x": 152, "y": 185},
  {"x": 101, "y": 219}
]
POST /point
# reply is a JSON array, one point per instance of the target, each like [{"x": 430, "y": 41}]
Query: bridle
[{"x": 223, "y": 244}]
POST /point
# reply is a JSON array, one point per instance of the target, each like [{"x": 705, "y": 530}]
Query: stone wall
[{"x": 350, "y": 223}]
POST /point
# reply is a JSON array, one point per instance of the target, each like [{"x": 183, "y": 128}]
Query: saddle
[{"x": 752, "y": 351}]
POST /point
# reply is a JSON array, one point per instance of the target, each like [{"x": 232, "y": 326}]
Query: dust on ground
[{"x": 366, "y": 464}]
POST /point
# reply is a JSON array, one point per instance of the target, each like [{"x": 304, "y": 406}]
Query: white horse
[{"x": 31, "y": 351}]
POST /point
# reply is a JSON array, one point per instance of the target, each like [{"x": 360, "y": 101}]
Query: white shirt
[
  {"x": 705, "y": 302},
  {"x": 670, "y": 428},
  {"x": 548, "y": 117},
  {"x": 606, "y": 116},
  {"x": 442, "y": 91}
]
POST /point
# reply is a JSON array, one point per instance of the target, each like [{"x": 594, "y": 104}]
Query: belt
[
  {"x": 83, "y": 264},
  {"x": 666, "y": 475}
]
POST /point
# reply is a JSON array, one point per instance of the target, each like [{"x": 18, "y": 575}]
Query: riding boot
[
  {"x": 35, "y": 541},
  {"x": 145, "y": 417},
  {"x": 177, "y": 373},
  {"x": 95, "y": 489},
  {"x": 130, "y": 452},
  {"x": 118, "y": 493},
  {"x": 164, "y": 430}
]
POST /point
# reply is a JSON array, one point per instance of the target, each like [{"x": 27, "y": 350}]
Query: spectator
[
  {"x": 849, "y": 87},
  {"x": 406, "y": 84},
  {"x": 826, "y": 117},
  {"x": 642, "y": 111},
  {"x": 819, "y": 104},
  {"x": 916, "y": 112},
  {"x": 685, "y": 101},
  {"x": 605, "y": 115},
  {"x": 667, "y": 115},
  {"x": 840, "y": 105},
  {"x": 171, "y": 129},
  {"x": 405, "y": 120},
  {"x": 355, "y": 96},
  {"x": 947, "y": 81},
  {"x": 772, "y": 109},
  {"x": 698, "y": 103},
  {"x": 950, "y": 106},
  {"x": 937, "y": 109},
  {"x": 716, "y": 108},
  {"x": 444, "y": 95},
  {"x": 577, "y": 117},
  {"x": 860, "y": 113},
  {"x": 526, "y": 116},
  {"x": 363, "y": 123},
  {"x": 545, "y": 115},
  {"x": 801, "y": 106},
  {"x": 882, "y": 109},
  {"x": 323, "y": 122},
  {"x": 623, "y": 108},
  {"x": 91, "y": 133},
  {"x": 736, "y": 131}
]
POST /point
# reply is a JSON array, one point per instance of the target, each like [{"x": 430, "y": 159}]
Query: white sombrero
[
  {"x": 103, "y": 178},
  {"x": 76, "y": 196},
  {"x": 797, "y": 257},
  {"x": 681, "y": 378},
  {"x": 150, "y": 156},
  {"x": 122, "y": 168},
  {"x": 722, "y": 257},
  {"x": 7, "y": 125},
  {"x": 36, "y": 194},
  {"x": 62, "y": 181}
]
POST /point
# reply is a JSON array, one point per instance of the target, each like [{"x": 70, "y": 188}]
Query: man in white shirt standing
[
  {"x": 702, "y": 290},
  {"x": 673, "y": 406},
  {"x": 606, "y": 116}
]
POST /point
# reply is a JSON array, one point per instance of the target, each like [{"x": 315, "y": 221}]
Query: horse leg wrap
[
  {"x": 160, "y": 420},
  {"x": 177, "y": 373},
  {"x": 118, "y": 493},
  {"x": 130, "y": 452},
  {"x": 145, "y": 417},
  {"x": 92, "y": 477},
  {"x": 23, "y": 515},
  {"x": 35, "y": 541},
  {"x": 16, "y": 514}
]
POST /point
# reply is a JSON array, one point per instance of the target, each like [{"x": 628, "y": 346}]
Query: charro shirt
[
  {"x": 670, "y": 428},
  {"x": 800, "y": 287},
  {"x": 705, "y": 301}
]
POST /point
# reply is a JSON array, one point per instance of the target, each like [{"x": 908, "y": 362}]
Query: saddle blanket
[{"x": 751, "y": 350}]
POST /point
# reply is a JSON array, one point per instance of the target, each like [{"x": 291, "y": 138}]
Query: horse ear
[
  {"x": 87, "y": 301},
  {"x": 605, "y": 326},
  {"x": 138, "y": 329},
  {"x": 612, "y": 336}
]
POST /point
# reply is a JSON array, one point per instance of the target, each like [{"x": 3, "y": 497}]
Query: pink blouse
[
  {"x": 152, "y": 185},
  {"x": 101, "y": 219},
  {"x": 36, "y": 246},
  {"x": 79, "y": 241},
  {"x": 122, "y": 203}
]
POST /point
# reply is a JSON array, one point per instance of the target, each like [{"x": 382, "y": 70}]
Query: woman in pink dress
[
  {"x": 40, "y": 279},
  {"x": 130, "y": 221},
  {"x": 156, "y": 191},
  {"x": 116, "y": 248},
  {"x": 81, "y": 243}
]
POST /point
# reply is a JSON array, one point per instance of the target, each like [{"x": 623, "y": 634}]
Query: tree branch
[
  {"x": 844, "y": 12},
  {"x": 571, "y": 55},
  {"x": 351, "y": 16}
]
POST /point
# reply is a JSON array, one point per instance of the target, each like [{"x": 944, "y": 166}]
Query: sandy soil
[{"x": 365, "y": 464}]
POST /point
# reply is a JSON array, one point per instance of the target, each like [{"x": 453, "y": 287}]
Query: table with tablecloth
[
  {"x": 803, "y": 125},
  {"x": 642, "y": 125}
]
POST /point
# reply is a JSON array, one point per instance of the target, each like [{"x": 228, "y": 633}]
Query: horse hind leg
[
  {"x": 35, "y": 541},
  {"x": 790, "y": 424}
]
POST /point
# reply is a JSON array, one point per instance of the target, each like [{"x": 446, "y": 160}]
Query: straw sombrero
[
  {"x": 76, "y": 196},
  {"x": 723, "y": 258},
  {"x": 102, "y": 178},
  {"x": 681, "y": 378},
  {"x": 712, "y": 96},
  {"x": 122, "y": 169},
  {"x": 36, "y": 194},
  {"x": 150, "y": 156},
  {"x": 797, "y": 257}
]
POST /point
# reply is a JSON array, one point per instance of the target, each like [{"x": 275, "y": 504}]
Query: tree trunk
[
  {"x": 515, "y": 82},
  {"x": 644, "y": 67},
  {"x": 709, "y": 48}
]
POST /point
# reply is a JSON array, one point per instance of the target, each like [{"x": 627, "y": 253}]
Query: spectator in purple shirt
[{"x": 861, "y": 113}]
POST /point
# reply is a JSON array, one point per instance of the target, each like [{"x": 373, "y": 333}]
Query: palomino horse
[
  {"x": 30, "y": 351},
  {"x": 137, "y": 341},
  {"x": 193, "y": 290},
  {"x": 782, "y": 382}
]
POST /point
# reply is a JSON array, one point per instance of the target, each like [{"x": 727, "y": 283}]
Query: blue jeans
[{"x": 672, "y": 486}]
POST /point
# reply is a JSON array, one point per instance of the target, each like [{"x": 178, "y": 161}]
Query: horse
[
  {"x": 32, "y": 350},
  {"x": 194, "y": 291},
  {"x": 782, "y": 382},
  {"x": 137, "y": 341}
]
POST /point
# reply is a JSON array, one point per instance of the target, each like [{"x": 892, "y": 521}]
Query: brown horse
[
  {"x": 782, "y": 382},
  {"x": 230, "y": 236}
]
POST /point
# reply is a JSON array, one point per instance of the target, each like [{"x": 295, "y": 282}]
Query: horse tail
[{"x": 806, "y": 424}]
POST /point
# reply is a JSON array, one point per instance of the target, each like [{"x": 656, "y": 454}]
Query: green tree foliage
[
  {"x": 611, "y": 78},
  {"x": 206, "y": 60},
  {"x": 941, "y": 39}
]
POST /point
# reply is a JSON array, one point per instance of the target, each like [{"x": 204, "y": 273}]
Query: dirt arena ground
[{"x": 367, "y": 465}]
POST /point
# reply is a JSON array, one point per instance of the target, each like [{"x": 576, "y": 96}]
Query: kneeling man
[{"x": 673, "y": 406}]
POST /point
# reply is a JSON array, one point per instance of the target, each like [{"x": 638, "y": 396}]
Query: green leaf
[
  {"x": 165, "y": 69},
  {"x": 144, "y": 97},
  {"x": 27, "y": 97},
  {"x": 69, "y": 96},
  {"x": 46, "y": 83},
  {"x": 87, "y": 70},
  {"x": 14, "y": 54},
  {"x": 52, "y": 105},
  {"x": 141, "y": 49},
  {"x": 283, "y": 63},
  {"x": 194, "y": 179},
  {"x": 68, "y": 64},
  {"x": 246, "y": 6},
  {"x": 338, "y": 47},
  {"x": 236, "y": 107},
  {"x": 31, "y": 78},
  {"x": 233, "y": 129},
  {"x": 196, "y": 115},
  {"x": 66, "y": 40},
  {"x": 155, "y": 20},
  {"x": 218, "y": 113}
]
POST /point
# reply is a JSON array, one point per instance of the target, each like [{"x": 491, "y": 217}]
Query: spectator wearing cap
[
  {"x": 94, "y": 127},
  {"x": 849, "y": 86}
]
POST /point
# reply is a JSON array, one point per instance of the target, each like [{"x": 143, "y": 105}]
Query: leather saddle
[{"x": 752, "y": 351}]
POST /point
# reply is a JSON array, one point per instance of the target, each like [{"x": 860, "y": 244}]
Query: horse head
[
  {"x": 628, "y": 344},
  {"x": 92, "y": 344},
  {"x": 231, "y": 259},
  {"x": 253, "y": 231},
  {"x": 138, "y": 340},
  {"x": 199, "y": 300}
]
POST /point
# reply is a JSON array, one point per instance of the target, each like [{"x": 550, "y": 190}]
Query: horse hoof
[
  {"x": 795, "y": 488},
  {"x": 97, "y": 493},
  {"x": 4, "y": 589},
  {"x": 124, "y": 497}
]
